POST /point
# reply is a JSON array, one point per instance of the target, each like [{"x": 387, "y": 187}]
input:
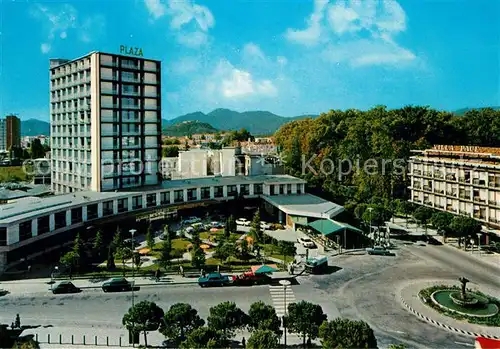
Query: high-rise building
[
  {"x": 461, "y": 180},
  {"x": 105, "y": 115},
  {"x": 10, "y": 132}
]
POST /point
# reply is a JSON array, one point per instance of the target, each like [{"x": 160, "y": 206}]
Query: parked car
[
  {"x": 378, "y": 250},
  {"x": 117, "y": 285},
  {"x": 189, "y": 230},
  {"x": 264, "y": 225},
  {"x": 65, "y": 287},
  {"x": 216, "y": 224},
  {"x": 243, "y": 221},
  {"x": 249, "y": 278},
  {"x": 306, "y": 242},
  {"x": 214, "y": 279},
  {"x": 198, "y": 226},
  {"x": 130, "y": 242},
  {"x": 191, "y": 220}
]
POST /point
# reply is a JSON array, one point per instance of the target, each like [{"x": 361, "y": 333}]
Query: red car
[{"x": 249, "y": 278}]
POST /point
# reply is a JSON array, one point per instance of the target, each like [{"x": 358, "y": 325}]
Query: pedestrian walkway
[{"x": 280, "y": 299}]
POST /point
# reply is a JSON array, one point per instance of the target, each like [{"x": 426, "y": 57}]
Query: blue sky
[{"x": 290, "y": 57}]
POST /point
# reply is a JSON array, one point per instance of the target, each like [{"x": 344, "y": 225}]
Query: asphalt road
[{"x": 365, "y": 287}]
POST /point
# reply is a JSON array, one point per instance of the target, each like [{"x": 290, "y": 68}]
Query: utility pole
[{"x": 285, "y": 283}]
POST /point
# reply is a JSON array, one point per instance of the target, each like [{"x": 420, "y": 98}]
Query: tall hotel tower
[{"x": 105, "y": 114}]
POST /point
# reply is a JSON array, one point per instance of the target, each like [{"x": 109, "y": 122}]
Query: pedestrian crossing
[{"x": 280, "y": 299}]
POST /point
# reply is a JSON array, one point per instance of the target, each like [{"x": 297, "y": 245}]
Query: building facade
[
  {"x": 105, "y": 122},
  {"x": 10, "y": 132},
  {"x": 29, "y": 220},
  {"x": 461, "y": 180}
]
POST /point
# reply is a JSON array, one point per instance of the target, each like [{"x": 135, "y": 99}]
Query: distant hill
[
  {"x": 256, "y": 122},
  {"x": 188, "y": 128},
  {"x": 464, "y": 110},
  {"x": 34, "y": 127}
]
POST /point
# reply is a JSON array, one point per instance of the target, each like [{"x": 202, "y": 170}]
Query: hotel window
[
  {"x": 179, "y": 196},
  {"x": 232, "y": 190},
  {"x": 43, "y": 225},
  {"x": 218, "y": 191},
  {"x": 165, "y": 198},
  {"x": 191, "y": 194},
  {"x": 3, "y": 236},
  {"x": 245, "y": 189},
  {"x": 258, "y": 189},
  {"x": 107, "y": 208},
  {"x": 137, "y": 202},
  {"x": 288, "y": 188},
  {"x": 92, "y": 211},
  {"x": 271, "y": 189},
  {"x": 282, "y": 189},
  {"x": 123, "y": 205},
  {"x": 60, "y": 219},
  {"x": 299, "y": 188},
  {"x": 25, "y": 230},
  {"x": 205, "y": 193},
  {"x": 76, "y": 215},
  {"x": 151, "y": 200}
]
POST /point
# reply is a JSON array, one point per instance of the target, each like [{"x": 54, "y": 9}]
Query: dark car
[
  {"x": 117, "y": 285},
  {"x": 214, "y": 279},
  {"x": 65, "y": 287}
]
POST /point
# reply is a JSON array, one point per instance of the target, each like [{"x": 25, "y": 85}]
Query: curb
[
  {"x": 146, "y": 285},
  {"x": 449, "y": 328}
]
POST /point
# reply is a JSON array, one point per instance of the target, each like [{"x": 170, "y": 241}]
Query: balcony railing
[
  {"x": 428, "y": 188},
  {"x": 451, "y": 177},
  {"x": 417, "y": 172},
  {"x": 439, "y": 191},
  {"x": 494, "y": 203}
]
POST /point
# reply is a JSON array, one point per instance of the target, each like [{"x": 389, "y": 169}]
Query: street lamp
[
  {"x": 370, "y": 209},
  {"x": 56, "y": 268},
  {"x": 284, "y": 283}
]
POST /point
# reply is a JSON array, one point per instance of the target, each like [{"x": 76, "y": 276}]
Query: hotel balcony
[
  {"x": 428, "y": 203},
  {"x": 439, "y": 191},
  {"x": 494, "y": 203},
  {"x": 438, "y": 175},
  {"x": 451, "y": 193},
  {"x": 427, "y": 188},
  {"x": 417, "y": 172},
  {"x": 451, "y": 177}
]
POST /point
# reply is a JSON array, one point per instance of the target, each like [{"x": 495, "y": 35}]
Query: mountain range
[
  {"x": 187, "y": 128},
  {"x": 256, "y": 122}
]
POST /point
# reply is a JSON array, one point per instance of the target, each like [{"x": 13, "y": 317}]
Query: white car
[
  {"x": 192, "y": 220},
  {"x": 307, "y": 242},
  {"x": 264, "y": 225},
  {"x": 243, "y": 221},
  {"x": 217, "y": 224}
]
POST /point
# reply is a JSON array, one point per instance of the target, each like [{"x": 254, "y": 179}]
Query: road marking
[
  {"x": 278, "y": 298},
  {"x": 393, "y": 331},
  {"x": 466, "y": 344}
]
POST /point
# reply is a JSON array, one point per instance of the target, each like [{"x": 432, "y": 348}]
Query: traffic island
[{"x": 462, "y": 304}]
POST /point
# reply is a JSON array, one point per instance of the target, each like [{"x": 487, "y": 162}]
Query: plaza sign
[{"x": 132, "y": 51}]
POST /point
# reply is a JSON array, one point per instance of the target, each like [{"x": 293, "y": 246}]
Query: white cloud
[
  {"x": 45, "y": 48},
  {"x": 312, "y": 34},
  {"x": 252, "y": 51},
  {"x": 282, "y": 61},
  {"x": 361, "y": 32},
  {"x": 60, "y": 20},
  {"x": 185, "y": 65},
  {"x": 190, "y": 21}
]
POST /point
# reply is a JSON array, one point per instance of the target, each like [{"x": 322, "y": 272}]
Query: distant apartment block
[
  {"x": 105, "y": 122},
  {"x": 462, "y": 180},
  {"x": 26, "y": 140},
  {"x": 10, "y": 132}
]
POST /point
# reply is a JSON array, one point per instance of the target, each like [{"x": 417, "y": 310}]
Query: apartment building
[
  {"x": 10, "y": 132},
  {"x": 458, "y": 179},
  {"x": 105, "y": 122}
]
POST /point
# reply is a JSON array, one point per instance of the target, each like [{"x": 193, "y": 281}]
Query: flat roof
[
  {"x": 306, "y": 205},
  {"x": 25, "y": 208}
]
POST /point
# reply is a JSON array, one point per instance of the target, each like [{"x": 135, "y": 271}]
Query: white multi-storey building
[
  {"x": 458, "y": 179},
  {"x": 105, "y": 122}
]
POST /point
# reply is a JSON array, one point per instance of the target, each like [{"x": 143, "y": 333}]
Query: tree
[
  {"x": 170, "y": 152},
  {"x": 228, "y": 318},
  {"x": 397, "y": 346},
  {"x": 256, "y": 230},
  {"x": 78, "y": 245},
  {"x": 123, "y": 253},
  {"x": 28, "y": 343},
  {"x": 224, "y": 250},
  {"x": 345, "y": 333},
  {"x": 227, "y": 228},
  {"x": 376, "y": 214},
  {"x": 70, "y": 259},
  {"x": 244, "y": 249},
  {"x": 231, "y": 225},
  {"x": 186, "y": 145},
  {"x": 203, "y": 338},
  {"x": 117, "y": 239},
  {"x": 263, "y": 339},
  {"x": 36, "y": 149},
  {"x": 97, "y": 245},
  {"x": 198, "y": 257},
  {"x": 110, "y": 262},
  {"x": 441, "y": 221},
  {"x": 287, "y": 248},
  {"x": 180, "y": 320},
  {"x": 136, "y": 258},
  {"x": 423, "y": 215},
  {"x": 165, "y": 252},
  {"x": 150, "y": 240},
  {"x": 143, "y": 317},
  {"x": 304, "y": 318},
  {"x": 463, "y": 226},
  {"x": 263, "y": 316},
  {"x": 406, "y": 208}
]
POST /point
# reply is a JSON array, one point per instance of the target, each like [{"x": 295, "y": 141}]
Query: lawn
[
  {"x": 12, "y": 173},
  {"x": 271, "y": 250},
  {"x": 219, "y": 235}
]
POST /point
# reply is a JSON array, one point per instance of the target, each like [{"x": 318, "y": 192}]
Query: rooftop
[
  {"x": 305, "y": 205},
  {"x": 328, "y": 227},
  {"x": 26, "y": 207}
]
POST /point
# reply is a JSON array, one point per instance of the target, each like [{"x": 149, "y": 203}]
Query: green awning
[
  {"x": 329, "y": 227},
  {"x": 265, "y": 269}
]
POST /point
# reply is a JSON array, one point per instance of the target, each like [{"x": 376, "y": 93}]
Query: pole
[
  {"x": 132, "y": 231},
  {"x": 284, "y": 324}
]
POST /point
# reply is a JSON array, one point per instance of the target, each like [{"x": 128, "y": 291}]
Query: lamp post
[
  {"x": 132, "y": 232},
  {"x": 56, "y": 268},
  {"x": 479, "y": 242},
  {"x": 370, "y": 209},
  {"x": 285, "y": 283}
]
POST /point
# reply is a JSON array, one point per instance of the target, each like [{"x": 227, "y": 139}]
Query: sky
[{"x": 290, "y": 57}]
